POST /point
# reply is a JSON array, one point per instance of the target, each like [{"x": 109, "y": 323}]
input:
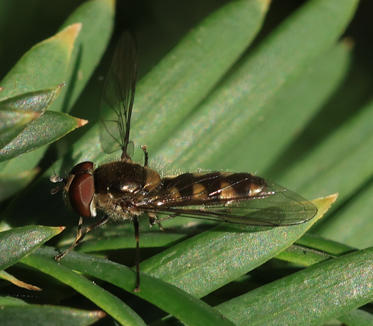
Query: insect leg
[
  {"x": 146, "y": 156},
  {"x": 80, "y": 235},
  {"x": 154, "y": 220},
  {"x": 137, "y": 238}
]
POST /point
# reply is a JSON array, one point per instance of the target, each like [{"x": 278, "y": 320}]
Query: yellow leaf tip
[
  {"x": 67, "y": 36},
  {"x": 34, "y": 288},
  {"x": 72, "y": 31},
  {"x": 59, "y": 229},
  {"x": 323, "y": 204},
  {"x": 81, "y": 122},
  {"x": 99, "y": 314}
]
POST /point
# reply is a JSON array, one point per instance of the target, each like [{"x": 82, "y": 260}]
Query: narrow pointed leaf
[
  {"x": 47, "y": 315},
  {"x": 97, "y": 19},
  {"x": 10, "y": 278},
  {"x": 309, "y": 297},
  {"x": 87, "y": 48},
  {"x": 48, "y": 128},
  {"x": 239, "y": 102},
  {"x": 186, "y": 308},
  {"x": 44, "y": 65},
  {"x": 18, "y": 242},
  {"x": 311, "y": 249},
  {"x": 286, "y": 114},
  {"x": 170, "y": 91},
  {"x": 16, "y": 112},
  {"x": 214, "y": 258},
  {"x": 102, "y": 298},
  {"x": 327, "y": 162}
]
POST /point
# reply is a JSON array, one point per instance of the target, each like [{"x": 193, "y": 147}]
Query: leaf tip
[
  {"x": 67, "y": 36},
  {"x": 323, "y": 204},
  {"x": 17, "y": 282},
  {"x": 81, "y": 122},
  {"x": 58, "y": 229},
  {"x": 99, "y": 314},
  {"x": 70, "y": 32}
]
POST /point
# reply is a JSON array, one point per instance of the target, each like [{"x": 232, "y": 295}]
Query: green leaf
[
  {"x": 183, "y": 306},
  {"x": 309, "y": 297},
  {"x": 76, "y": 52},
  {"x": 47, "y": 315},
  {"x": 209, "y": 260},
  {"x": 286, "y": 114},
  {"x": 331, "y": 247},
  {"x": 19, "y": 242},
  {"x": 123, "y": 240},
  {"x": 237, "y": 104},
  {"x": 171, "y": 90},
  {"x": 48, "y": 128},
  {"x": 44, "y": 65},
  {"x": 326, "y": 163},
  {"x": 168, "y": 102},
  {"x": 10, "y": 278},
  {"x": 240, "y": 17},
  {"x": 18, "y": 111},
  {"x": 97, "y": 19},
  {"x": 311, "y": 249},
  {"x": 102, "y": 298}
]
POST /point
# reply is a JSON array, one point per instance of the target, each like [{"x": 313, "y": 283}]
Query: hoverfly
[{"x": 125, "y": 190}]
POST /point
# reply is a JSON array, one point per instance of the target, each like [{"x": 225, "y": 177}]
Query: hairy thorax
[{"x": 121, "y": 186}]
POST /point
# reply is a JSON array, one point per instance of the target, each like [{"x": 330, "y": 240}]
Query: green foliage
[{"x": 294, "y": 105}]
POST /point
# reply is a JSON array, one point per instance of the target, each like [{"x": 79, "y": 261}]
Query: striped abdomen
[{"x": 209, "y": 188}]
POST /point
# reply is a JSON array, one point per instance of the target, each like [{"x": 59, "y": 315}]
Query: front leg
[{"x": 80, "y": 235}]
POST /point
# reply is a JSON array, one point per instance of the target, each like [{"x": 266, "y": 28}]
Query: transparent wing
[
  {"x": 118, "y": 96},
  {"x": 273, "y": 205}
]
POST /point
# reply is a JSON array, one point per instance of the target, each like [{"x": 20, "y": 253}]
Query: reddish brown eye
[
  {"x": 81, "y": 193},
  {"x": 82, "y": 167}
]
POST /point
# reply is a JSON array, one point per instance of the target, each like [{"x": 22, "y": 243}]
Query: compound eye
[
  {"x": 81, "y": 193},
  {"x": 82, "y": 167}
]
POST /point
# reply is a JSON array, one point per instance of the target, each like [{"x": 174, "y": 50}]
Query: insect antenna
[{"x": 61, "y": 183}]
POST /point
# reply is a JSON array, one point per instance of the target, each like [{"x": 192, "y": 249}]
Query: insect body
[{"x": 124, "y": 190}]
